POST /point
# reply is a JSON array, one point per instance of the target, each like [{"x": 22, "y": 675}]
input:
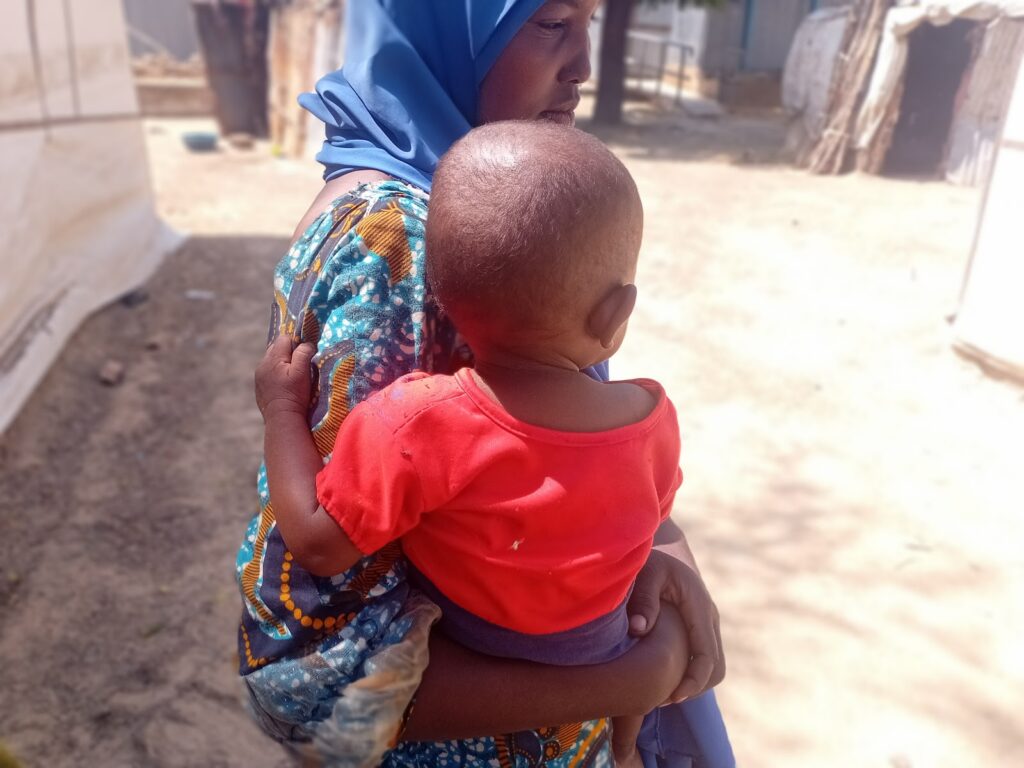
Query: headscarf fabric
[{"x": 408, "y": 88}]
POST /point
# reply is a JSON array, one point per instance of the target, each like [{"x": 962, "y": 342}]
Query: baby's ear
[{"x": 611, "y": 313}]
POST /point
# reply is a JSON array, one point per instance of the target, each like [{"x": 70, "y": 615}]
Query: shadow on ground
[{"x": 122, "y": 508}]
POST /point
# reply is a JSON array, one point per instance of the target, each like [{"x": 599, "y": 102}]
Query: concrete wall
[{"x": 717, "y": 35}]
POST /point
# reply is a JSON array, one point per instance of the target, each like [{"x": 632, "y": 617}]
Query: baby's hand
[{"x": 283, "y": 378}]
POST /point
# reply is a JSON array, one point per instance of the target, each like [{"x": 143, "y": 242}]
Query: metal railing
[{"x": 647, "y": 59}]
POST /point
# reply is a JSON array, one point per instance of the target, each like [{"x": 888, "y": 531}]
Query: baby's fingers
[
  {"x": 279, "y": 350},
  {"x": 303, "y": 356}
]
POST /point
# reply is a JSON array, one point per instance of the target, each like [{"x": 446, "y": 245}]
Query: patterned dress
[{"x": 354, "y": 284}]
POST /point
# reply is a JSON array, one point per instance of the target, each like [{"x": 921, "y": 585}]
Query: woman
[{"x": 419, "y": 74}]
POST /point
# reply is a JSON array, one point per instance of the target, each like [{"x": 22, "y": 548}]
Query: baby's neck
[{"x": 561, "y": 396}]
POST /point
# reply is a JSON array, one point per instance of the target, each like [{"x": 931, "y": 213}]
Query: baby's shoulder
[
  {"x": 637, "y": 400},
  {"x": 411, "y": 397}
]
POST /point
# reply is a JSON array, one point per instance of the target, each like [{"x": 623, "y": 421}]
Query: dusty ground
[{"x": 853, "y": 488}]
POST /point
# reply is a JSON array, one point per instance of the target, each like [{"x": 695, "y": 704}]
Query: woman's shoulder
[
  {"x": 379, "y": 199},
  {"x": 380, "y": 216}
]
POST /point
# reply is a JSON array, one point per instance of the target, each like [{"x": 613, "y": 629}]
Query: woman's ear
[{"x": 611, "y": 313}]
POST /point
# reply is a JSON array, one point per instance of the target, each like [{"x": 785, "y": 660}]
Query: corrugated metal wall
[{"x": 167, "y": 22}]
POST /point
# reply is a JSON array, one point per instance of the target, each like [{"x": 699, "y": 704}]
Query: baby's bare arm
[
  {"x": 317, "y": 542},
  {"x": 625, "y": 731}
]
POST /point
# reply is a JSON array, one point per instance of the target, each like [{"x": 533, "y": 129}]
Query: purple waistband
[{"x": 595, "y": 642}]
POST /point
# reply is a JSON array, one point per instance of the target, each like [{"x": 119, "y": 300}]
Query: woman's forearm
[
  {"x": 671, "y": 540},
  {"x": 465, "y": 694}
]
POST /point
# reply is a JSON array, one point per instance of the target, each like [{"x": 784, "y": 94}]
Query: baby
[{"x": 526, "y": 494}]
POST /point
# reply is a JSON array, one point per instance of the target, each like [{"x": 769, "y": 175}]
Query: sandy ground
[{"x": 853, "y": 487}]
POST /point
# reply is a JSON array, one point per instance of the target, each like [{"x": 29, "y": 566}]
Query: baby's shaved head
[{"x": 530, "y": 225}]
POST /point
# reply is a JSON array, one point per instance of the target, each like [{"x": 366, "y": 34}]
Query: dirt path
[{"x": 851, "y": 485}]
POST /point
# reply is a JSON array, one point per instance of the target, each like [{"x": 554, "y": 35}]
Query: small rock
[
  {"x": 133, "y": 299},
  {"x": 241, "y": 140},
  {"x": 153, "y": 345},
  {"x": 112, "y": 373},
  {"x": 152, "y": 630}
]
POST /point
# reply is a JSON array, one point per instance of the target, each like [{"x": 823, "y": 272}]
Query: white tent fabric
[
  {"x": 809, "y": 66},
  {"x": 76, "y": 206},
  {"x": 990, "y": 321},
  {"x": 892, "y": 53}
]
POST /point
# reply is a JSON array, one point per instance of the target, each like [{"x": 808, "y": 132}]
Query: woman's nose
[{"x": 578, "y": 70}]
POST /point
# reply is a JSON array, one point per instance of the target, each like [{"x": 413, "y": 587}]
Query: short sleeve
[
  {"x": 370, "y": 486},
  {"x": 670, "y": 474},
  {"x": 669, "y": 498}
]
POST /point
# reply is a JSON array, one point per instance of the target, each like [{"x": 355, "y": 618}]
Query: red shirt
[{"x": 533, "y": 529}]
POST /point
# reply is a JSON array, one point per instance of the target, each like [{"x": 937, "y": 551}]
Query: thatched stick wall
[{"x": 849, "y": 83}]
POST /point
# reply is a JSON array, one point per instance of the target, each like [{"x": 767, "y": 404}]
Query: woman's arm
[
  {"x": 465, "y": 694},
  {"x": 671, "y": 576}
]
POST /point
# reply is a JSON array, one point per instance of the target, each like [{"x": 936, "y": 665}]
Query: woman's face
[{"x": 538, "y": 76}]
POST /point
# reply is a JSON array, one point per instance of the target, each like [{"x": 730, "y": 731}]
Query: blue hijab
[{"x": 408, "y": 89}]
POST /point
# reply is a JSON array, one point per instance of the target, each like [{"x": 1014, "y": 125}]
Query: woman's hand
[
  {"x": 283, "y": 378},
  {"x": 667, "y": 578}
]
